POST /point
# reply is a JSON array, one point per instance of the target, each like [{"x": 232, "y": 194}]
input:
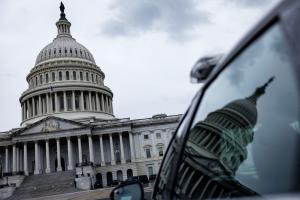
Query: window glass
[
  {"x": 148, "y": 153},
  {"x": 150, "y": 171},
  {"x": 60, "y": 75},
  {"x": 74, "y": 75},
  {"x": 146, "y": 137},
  {"x": 53, "y": 76},
  {"x": 158, "y": 135},
  {"x": 244, "y": 137}
]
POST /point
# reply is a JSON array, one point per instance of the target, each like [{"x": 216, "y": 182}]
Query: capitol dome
[
  {"x": 65, "y": 82},
  {"x": 64, "y": 47}
]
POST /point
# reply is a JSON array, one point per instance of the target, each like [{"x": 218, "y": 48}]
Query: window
[
  {"x": 67, "y": 75},
  {"x": 77, "y": 99},
  {"x": 47, "y": 78},
  {"x": 158, "y": 135},
  {"x": 69, "y": 100},
  {"x": 41, "y": 79},
  {"x": 256, "y": 142},
  {"x": 74, "y": 75},
  {"x": 60, "y": 101},
  {"x": 146, "y": 137},
  {"x": 81, "y": 76},
  {"x": 60, "y": 76},
  {"x": 148, "y": 152},
  {"x": 160, "y": 150},
  {"x": 150, "y": 171},
  {"x": 53, "y": 76},
  {"x": 92, "y": 77},
  {"x": 87, "y": 76}
]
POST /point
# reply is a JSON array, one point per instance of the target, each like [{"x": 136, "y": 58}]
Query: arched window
[
  {"x": 92, "y": 77},
  {"x": 74, "y": 75},
  {"x": 60, "y": 76},
  {"x": 81, "y": 76},
  {"x": 47, "y": 78},
  {"x": 70, "y": 51},
  {"x": 67, "y": 75},
  {"x": 36, "y": 81},
  {"x": 41, "y": 79},
  {"x": 53, "y": 76},
  {"x": 129, "y": 174}
]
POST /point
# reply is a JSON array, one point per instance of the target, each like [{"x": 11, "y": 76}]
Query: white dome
[{"x": 64, "y": 47}]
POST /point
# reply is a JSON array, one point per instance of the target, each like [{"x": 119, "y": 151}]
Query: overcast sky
[{"x": 145, "y": 48}]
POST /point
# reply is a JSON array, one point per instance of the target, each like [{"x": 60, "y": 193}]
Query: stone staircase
[{"x": 45, "y": 184}]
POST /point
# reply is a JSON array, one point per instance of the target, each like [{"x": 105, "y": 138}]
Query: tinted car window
[{"x": 244, "y": 138}]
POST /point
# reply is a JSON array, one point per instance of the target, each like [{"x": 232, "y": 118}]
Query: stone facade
[{"x": 68, "y": 121}]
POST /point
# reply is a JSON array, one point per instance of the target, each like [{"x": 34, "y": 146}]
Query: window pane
[{"x": 244, "y": 137}]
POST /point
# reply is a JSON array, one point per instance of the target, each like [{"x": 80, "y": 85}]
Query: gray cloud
[
  {"x": 253, "y": 3},
  {"x": 177, "y": 18}
]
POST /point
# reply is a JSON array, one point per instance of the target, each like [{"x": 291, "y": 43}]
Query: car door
[
  {"x": 244, "y": 138},
  {"x": 241, "y": 135}
]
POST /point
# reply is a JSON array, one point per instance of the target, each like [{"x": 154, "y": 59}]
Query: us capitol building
[{"x": 68, "y": 121}]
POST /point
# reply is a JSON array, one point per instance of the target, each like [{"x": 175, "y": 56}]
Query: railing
[{"x": 83, "y": 164}]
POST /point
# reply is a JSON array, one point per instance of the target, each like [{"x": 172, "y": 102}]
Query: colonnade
[
  {"x": 17, "y": 157},
  {"x": 63, "y": 101}
]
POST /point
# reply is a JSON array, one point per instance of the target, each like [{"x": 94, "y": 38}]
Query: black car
[{"x": 240, "y": 137}]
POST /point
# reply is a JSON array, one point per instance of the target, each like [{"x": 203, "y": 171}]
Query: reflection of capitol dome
[
  {"x": 217, "y": 146},
  {"x": 65, "y": 82},
  {"x": 244, "y": 109}
]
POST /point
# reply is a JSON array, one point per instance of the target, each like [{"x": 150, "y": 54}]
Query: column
[
  {"x": 81, "y": 101},
  {"x": 17, "y": 159},
  {"x": 25, "y": 159},
  {"x": 90, "y": 101},
  {"x": 106, "y": 103},
  {"x": 29, "y": 109},
  {"x": 47, "y": 111},
  {"x": 48, "y": 169},
  {"x": 14, "y": 167},
  {"x": 91, "y": 148},
  {"x": 58, "y": 155},
  {"x": 122, "y": 148},
  {"x": 102, "y": 103},
  {"x": 97, "y": 102},
  {"x": 73, "y": 101},
  {"x": 101, "y": 151},
  {"x": 131, "y": 147},
  {"x": 36, "y": 158},
  {"x": 70, "y": 154},
  {"x": 50, "y": 103},
  {"x": 6, "y": 159},
  {"x": 112, "y": 153},
  {"x": 65, "y": 101},
  {"x": 33, "y": 106},
  {"x": 22, "y": 108},
  {"x": 79, "y": 150},
  {"x": 40, "y": 105},
  {"x": 56, "y": 102}
]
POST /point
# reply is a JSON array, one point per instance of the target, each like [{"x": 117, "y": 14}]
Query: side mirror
[
  {"x": 132, "y": 190},
  {"x": 203, "y": 67}
]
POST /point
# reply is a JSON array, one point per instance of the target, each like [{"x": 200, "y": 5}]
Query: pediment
[{"x": 51, "y": 124}]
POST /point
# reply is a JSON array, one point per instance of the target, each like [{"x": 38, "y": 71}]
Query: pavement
[{"x": 97, "y": 194}]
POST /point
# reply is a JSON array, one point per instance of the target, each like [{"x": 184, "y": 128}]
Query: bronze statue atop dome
[{"x": 62, "y": 11}]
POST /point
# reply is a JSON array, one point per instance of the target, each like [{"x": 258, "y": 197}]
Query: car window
[
  {"x": 244, "y": 136},
  {"x": 169, "y": 162}
]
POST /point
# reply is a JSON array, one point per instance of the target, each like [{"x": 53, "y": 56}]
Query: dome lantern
[{"x": 63, "y": 25}]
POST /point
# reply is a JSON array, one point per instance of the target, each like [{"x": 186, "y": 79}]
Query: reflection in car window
[{"x": 243, "y": 140}]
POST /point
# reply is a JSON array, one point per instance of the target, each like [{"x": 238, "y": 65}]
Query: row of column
[
  {"x": 43, "y": 104},
  {"x": 37, "y": 170}
]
